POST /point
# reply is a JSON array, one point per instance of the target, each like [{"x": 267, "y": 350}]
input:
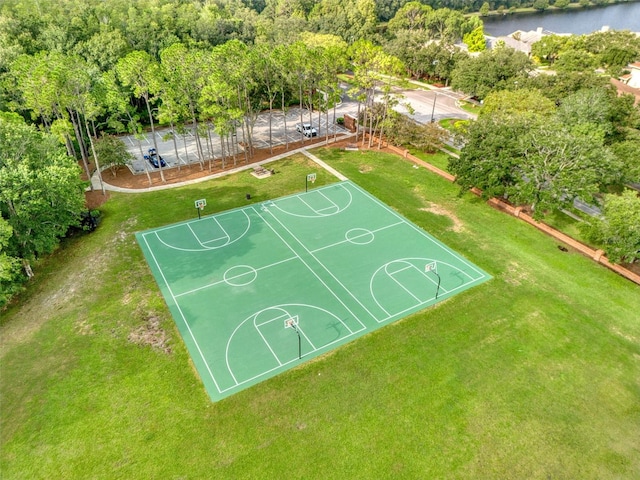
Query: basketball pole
[
  {"x": 295, "y": 327},
  {"x": 432, "y": 268},
  {"x": 198, "y": 208}
]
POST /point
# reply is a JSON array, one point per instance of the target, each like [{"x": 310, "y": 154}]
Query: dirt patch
[
  {"x": 626, "y": 336},
  {"x": 514, "y": 274},
  {"x": 365, "y": 168},
  {"x": 457, "y": 227},
  {"x": 151, "y": 334},
  {"x": 83, "y": 327},
  {"x": 93, "y": 199}
]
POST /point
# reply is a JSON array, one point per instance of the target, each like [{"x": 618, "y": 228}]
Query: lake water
[{"x": 621, "y": 16}]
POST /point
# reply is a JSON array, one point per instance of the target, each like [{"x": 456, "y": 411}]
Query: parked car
[
  {"x": 306, "y": 129},
  {"x": 154, "y": 159}
]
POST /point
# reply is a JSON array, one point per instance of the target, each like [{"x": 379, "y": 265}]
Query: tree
[
  {"x": 412, "y": 16},
  {"x": 518, "y": 102},
  {"x": 141, "y": 73},
  {"x": 492, "y": 70},
  {"x": 41, "y": 194},
  {"x": 619, "y": 228},
  {"x": 475, "y": 40},
  {"x": 184, "y": 72},
  {"x": 549, "y": 47},
  {"x": 575, "y": 61},
  {"x": 10, "y": 277},
  {"x": 558, "y": 165},
  {"x": 484, "y": 9},
  {"x": 490, "y": 156},
  {"x": 593, "y": 106},
  {"x": 112, "y": 153},
  {"x": 533, "y": 160},
  {"x": 540, "y": 5},
  {"x": 626, "y": 152}
]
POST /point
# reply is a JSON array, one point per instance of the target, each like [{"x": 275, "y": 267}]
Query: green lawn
[
  {"x": 470, "y": 107},
  {"x": 533, "y": 374},
  {"x": 438, "y": 159}
]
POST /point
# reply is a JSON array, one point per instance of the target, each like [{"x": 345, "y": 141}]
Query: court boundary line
[{"x": 175, "y": 302}]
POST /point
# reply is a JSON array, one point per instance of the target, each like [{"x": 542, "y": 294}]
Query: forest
[{"x": 73, "y": 74}]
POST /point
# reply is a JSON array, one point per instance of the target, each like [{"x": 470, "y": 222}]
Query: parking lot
[
  {"x": 184, "y": 151},
  {"x": 427, "y": 105}
]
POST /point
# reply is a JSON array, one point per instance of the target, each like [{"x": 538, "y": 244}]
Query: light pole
[{"x": 433, "y": 109}]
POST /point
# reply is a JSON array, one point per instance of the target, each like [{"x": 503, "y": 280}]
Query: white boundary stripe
[{"x": 175, "y": 301}]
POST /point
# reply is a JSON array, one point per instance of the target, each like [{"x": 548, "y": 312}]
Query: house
[
  {"x": 632, "y": 79},
  {"x": 521, "y": 40}
]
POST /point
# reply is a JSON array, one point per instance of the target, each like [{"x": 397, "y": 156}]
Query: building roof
[{"x": 622, "y": 88}]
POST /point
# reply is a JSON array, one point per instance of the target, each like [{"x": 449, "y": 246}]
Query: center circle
[
  {"x": 240, "y": 275},
  {"x": 359, "y": 236}
]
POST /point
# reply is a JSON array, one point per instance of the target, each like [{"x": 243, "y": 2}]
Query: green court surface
[{"x": 258, "y": 290}]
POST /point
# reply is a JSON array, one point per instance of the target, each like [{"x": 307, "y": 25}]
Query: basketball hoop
[
  {"x": 292, "y": 322},
  {"x": 200, "y": 204},
  {"x": 433, "y": 267},
  {"x": 311, "y": 177}
]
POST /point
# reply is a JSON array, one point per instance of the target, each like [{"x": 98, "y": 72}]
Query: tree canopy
[
  {"x": 41, "y": 193},
  {"x": 525, "y": 149}
]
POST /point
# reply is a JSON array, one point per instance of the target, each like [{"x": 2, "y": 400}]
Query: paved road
[{"x": 436, "y": 104}]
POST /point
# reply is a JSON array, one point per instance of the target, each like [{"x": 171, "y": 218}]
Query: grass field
[{"x": 531, "y": 375}]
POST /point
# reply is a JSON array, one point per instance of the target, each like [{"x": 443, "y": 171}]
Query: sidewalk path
[
  {"x": 95, "y": 180},
  {"x": 324, "y": 165}
]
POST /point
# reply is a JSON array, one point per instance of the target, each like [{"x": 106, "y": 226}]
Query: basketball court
[{"x": 258, "y": 290}]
